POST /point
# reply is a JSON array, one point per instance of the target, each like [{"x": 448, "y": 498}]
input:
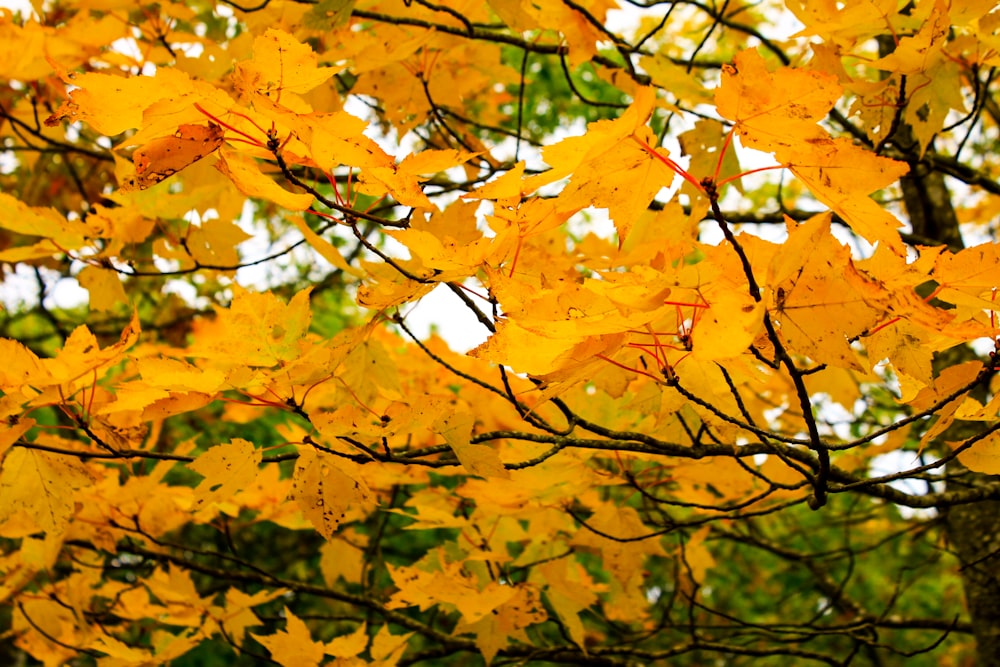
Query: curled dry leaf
[{"x": 164, "y": 157}]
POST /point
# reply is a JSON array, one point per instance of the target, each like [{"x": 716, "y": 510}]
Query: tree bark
[
  {"x": 973, "y": 530},
  {"x": 974, "y": 534}
]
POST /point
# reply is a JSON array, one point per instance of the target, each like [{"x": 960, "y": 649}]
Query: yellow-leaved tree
[{"x": 729, "y": 268}]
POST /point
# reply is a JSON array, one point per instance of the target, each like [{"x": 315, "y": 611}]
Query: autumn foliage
[{"x": 734, "y": 280}]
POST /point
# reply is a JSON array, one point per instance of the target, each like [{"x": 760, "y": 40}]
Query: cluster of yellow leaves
[{"x": 652, "y": 307}]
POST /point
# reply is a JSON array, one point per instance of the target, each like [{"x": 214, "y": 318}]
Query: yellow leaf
[
  {"x": 623, "y": 179},
  {"x": 104, "y": 286},
  {"x": 293, "y": 646},
  {"x": 494, "y": 631},
  {"x": 42, "y": 485},
  {"x": 404, "y": 187},
  {"x": 697, "y": 558},
  {"x": 570, "y": 590},
  {"x": 506, "y": 187},
  {"x": 918, "y": 52},
  {"x": 983, "y": 456},
  {"x": 521, "y": 349},
  {"x": 178, "y": 375},
  {"x": 9, "y": 433},
  {"x": 388, "y": 648},
  {"x": 370, "y": 371},
  {"x": 728, "y": 327},
  {"x": 903, "y": 344},
  {"x": 567, "y": 155},
  {"x": 326, "y": 250},
  {"x": 227, "y": 469},
  {"x": 578, "y": 29},
  {"x": 122, "y": 223},
  {"x": 326, "y": 494},
  {"x": 213, "y": 243},
  {"x": 280, "y": 63},
  {"x": 115, "y": 648},
  {"x": 479, "y": 460},
  {"x": 841, "y": 175},
  {"x": 969, "y": 276},
  {"x": 21, "y": 366},
  {"x": 348, "y": 646},
  {"x": 337, "y": 139},
  {"x": 681, "y": 83},
  {"x": 448, "y": 242},
  {"x": 431, "y": 162},
  {"x": 779, "y": 112},
  {"x": 385, "y": 287},
  {"x": 176, "y": 591},
  {"x": 39, "y": 221},
  {"x": 237, "y": 615},
  {"x": 37, "y": 620},
  {"x": 703, "y": 143},
  {"x": 256, "y": 329},
  {"x": 112, "y": 104},
  {"x": 625, "y": 560},
  {"x": 248, "y": 179},
  {"x": 819, "y": 299},
  {"x": 774, "y": 109},
  {"x": 451, "y": 587},
  {"x": 23, "y": 51},
  {"x": 340, "y": 559}
]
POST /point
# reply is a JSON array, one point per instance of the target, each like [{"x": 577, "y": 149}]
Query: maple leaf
[
  {"x": 448, "y": 586},
  {"x": 348, "y": 646},
  {"x": 293, "y": 646},
  {"x": 106, "y": 102},
  {"x": 280, "y": 64},
  {"x": 448, "y": 242},
  {"x": 164, "y": 157},
  {"x": 41, "y": 485},
  {"x": 387, "y": 648},
  {"x": 774, "y": 110},
  {"x": 227, "y": 469},
  {"x": 654, "y": 405},
  {"x": 779, "y": 111},
  {"x": 22, "y": 367},
  {"x": 815, "y": 285},
  {"x": 251, "y": 181},
  {"x": 495, "y": 631},
  {"x": 105, "y": 287},
  {"x": 55, "y": 230},
  {"x": 326, "y": 493},
  {"x": 479, "y": 460},
  {"x": 612, "y": 166},
  {"x": 625, "y": 564},
  {"x": 570, "y": 591},
  {"x": 174, "y": 588},
  {"x": 916, "y": 53},
  {"x": 256, "y": 330}
]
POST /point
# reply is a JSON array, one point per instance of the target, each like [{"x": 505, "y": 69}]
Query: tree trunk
[
  {"x": 974, "y": 533},
  {"x": 973, "y": 530}
]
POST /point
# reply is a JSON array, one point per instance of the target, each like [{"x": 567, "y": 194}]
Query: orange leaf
[{"x": 164, "y": 157}]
